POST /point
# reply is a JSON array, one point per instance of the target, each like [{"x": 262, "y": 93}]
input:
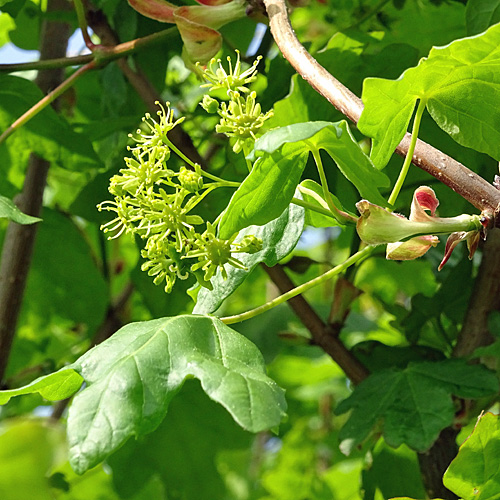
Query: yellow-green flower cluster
[
  {"x": 241, "y": 118},
  {"x": 154, "y": 203}
]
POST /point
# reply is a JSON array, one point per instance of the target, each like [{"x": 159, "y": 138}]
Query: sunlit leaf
[
  {"x": 475, "y": 472},
  {"x": 460, "y": 86},
  {"x": 56, "y": 386},
  {"x": 9, "y": 211},
  {"x": 271, "y": 184}
]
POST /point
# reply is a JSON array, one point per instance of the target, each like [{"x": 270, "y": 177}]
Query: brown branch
[
  {"x": 19, "y": 240},
  {"x": 469, "y": 185},
  {"x": 485, "y": 299},
  {"x": 322, "y": 334},
  {"x": 149, "y": 95}
]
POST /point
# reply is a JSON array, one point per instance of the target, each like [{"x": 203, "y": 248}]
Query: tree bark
[
  {"x": 19, "y": 240},
  {"x": 435, "y": 461}
]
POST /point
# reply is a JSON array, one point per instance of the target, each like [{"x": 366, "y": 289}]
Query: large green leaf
[
  {"x": 9, "y": 211},
  {"x": 47, "y": 134},
  {"x": 132, "y": 377},
  {"x": 480, "y": 14},
  {"x": 339, "y": 143},
  {"x": 474, "y": 474},
  {"x": 414, "y": 404},
  {"x": 337, "y": 140},
  {"x": 279, "y": 238},
  {"x": 460, "y": 84}
]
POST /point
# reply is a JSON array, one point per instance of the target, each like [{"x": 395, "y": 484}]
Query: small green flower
[
  {"x": 158, "y": 130},
  {"x": 249, "y": 244},
  {"x": 154, "y": 202},
  {"x": 212, "y": 254},
  {"x": 143, "y": 172},
  {"x": 241, "y": 119},
  {"x": 163, "y": 262},
  {"x": 127, "y": 215},
  {"x": 235, "y": 80}
]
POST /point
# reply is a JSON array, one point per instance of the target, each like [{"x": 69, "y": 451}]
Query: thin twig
[
  {"x": 99, "y": 24},
  {"x": 320, "y": 332}
]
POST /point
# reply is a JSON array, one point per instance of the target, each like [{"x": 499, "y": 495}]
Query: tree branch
[
  {"x": 19, "y": 240},
  {"x": 485, "y": 299},
  {"x": 149, "y": 95},
  {"x": 469, "y": 185},
  {"x": 323, "y": 335}
]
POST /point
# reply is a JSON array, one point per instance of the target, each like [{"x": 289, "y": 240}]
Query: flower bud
[
  {"x": 250, "y": 244},
  {"x": 209, "y": 104},
  {"x": 190, "y": 180}
]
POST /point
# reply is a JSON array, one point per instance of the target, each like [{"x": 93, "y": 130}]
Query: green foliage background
[{"x": 402, "y": 326}]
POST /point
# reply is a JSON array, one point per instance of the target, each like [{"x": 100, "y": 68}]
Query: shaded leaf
[
  {"x": 459, "y": 83},
  {"x": 474, "y": 474},
  {"x": 189, "y": 467},
  {"x": 354, "y": 164},
  {"x": 9, "y": 211},
  {"x": 312, "y": 192},
  {"x": 414, "y": 404},
  {"x": 392, "y": 472},
  {"x": 279, "y": 238},
  {"x": 480, "y": 14},
  {"x": 47, "y": 134}
]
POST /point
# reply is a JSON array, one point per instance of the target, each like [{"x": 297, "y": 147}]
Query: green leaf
[
  {"x": 54, "y": 387},
  {"x": 337, "y": 140},
  {"x": 271, "y": 141},
  {"x": 190, "y": 465},
  {"x": 267, "y": 190},
  {"x": 475, "y": 472},
  {"x": 279, "y": 238},
  {"x": 459, "y": 83},
  {"x": 392, "y": 472},
  {"x": 354, "y": 164},
  {"x": 9, "y": 211},
  {"x": 132, "y": 377},
  {"x": 29, "y": 449},
  {"x": 47, "y": 134},
  {"x": 414, "y": 404},
  {"x": 480, "y": 14},
  {"x": 64, "y": 280},
  {"x": 270, "y": 186}
]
